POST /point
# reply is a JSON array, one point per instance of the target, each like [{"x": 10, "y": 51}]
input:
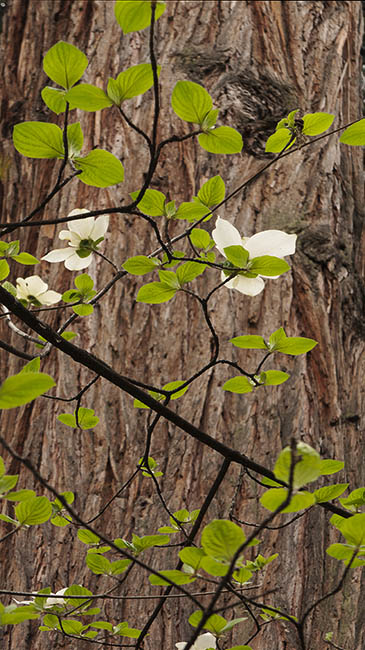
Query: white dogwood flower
[
  {"x": 274, "y": 243},
  {"x": 50, "y": 602},
  {"x": 203, "y": 642},
  {"x": 84, "y": 235},
  {"x": 33, "y": 291}
]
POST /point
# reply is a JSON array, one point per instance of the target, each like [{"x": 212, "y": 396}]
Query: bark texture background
[{"x": 259, "y": 60}]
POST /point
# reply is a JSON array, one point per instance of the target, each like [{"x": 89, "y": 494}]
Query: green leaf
[
  {"x": 155, "y": 293},
  {"x": 25, "y": 258},
  {"x": 38, "y": 140},
  {"x": 200, "y": 238},
  {"x": 213, "y": 567},
  {"x": 317, "y": 123},
  {"x": 32, "y": 366},
  {"x": 84, "y": 282},
  {"x": 152, "y": 203},
  {"x": 242, "y": 575},
  {"x": 190, "y": 101},
  {"x": 88, "y": 97},
  {"x": 133, "y": 15},
  {"x": 237, "y": 255},
  {"x": 149, "y": 541},
  {"x": 249, "y": 342},
  {"x": 118, "y": 567},
  {"x": 140, "y": 264},
  {"x": 329, "y": 466},
  {"x": 212, "y": 192},
  {"x": 214, "y": 624},
  {"x": 191, "y": 211},
  {"x": 102, "y": 625},
  {"x": 132, "y": 82},
  {"x": 68, "y": 336},
  {"x": 238, "y": 385},
  {"x": 54, "y": 98},
  {"x": 221, "y": 539},
  {"x": 268, "y": 266},
  {"x": 355, "y": 499},
  {"x": 86, "y": 419},
  {"x": 4, "y": 270},
  {"x": 354, "y": 135},
  {"x": 329, "y": 492},
  {"x": 59, "y": 521},
  {"x": 35, "y": 510},
  {"x": 9, "y": 287},
  {"x": 172, "y": 385},
  {"x": 122, "y": 629},
  {"x": 223, "y": 139},
  {"x": 273, "y": 377},
  {"x": 353, "y": 529},
  {"x": 240, "y": 647},
  {"x": 192, "y": 556},
  {"x": 83, "y": 310},
  {"x": 305, "y": 471},
  {"x": 98, "y": 564},
  {"x": 278, "y": 141},
  {"x": 100, "y": 169},
  {"x": 295, "y": 345},
  {"x": 13, "y": 615},
  {"x": 178, "y": 577},
  {"x": 233, "y": 622},
  {"x": 65, "y": 64},
  {"x": 87, "y": 536},
  {"x": 23, "y": 388},
  {"x": 272, "y": 499},
  {"x": 189, "y": 271},
  {"x": 7, "y": 483},
  {"x": 21, "y": 495},
  {"x": 75, "y": 139}
]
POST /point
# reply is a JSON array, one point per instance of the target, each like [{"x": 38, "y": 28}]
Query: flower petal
[
  {"x": 271, "y": 242},
  {"x": 248, "y": 286},
  {"x": 205, "y": 641},
  {"x": 76, "y": 263},
  {"x": 180, "y": 646},
  {"x": 58, "y": 255},
  {"x": 32, "y": 286},
  {"x": 82, "y": 227},
  {"x": 65, "y": 234},
  {"x": 49, "y": 297},
  {"x": 100, "y": 227},
  {"x": 225, "y": 235}
]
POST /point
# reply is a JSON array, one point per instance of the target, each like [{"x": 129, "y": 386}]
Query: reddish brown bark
[{"x": 258, "y": 60}]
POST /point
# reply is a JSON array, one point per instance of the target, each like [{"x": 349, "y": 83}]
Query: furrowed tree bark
[{"x": 258, "y": 60}]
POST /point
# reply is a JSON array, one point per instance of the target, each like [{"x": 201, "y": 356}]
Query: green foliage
[
  {"x": 100, "y": 169},
  {"x": 191, "y": 102},
  {"x": 140, "y": 264},
  {"x": 355, "y": 500},
  {"x": 215, "y": 624},
  {"x": 155, "y": 293},
  {"x": 133, "y": 15},
  {"x": 88, "y": 97},
  {"x": 32, "y": 511},
  {"x": 24, "y": 388},
  {"x": 354, "y": 135},
  {"x": 65, "y": 64},
  {"x": 290, "y": 127},
  {"x": 184, "y": 517},
  {"x": 82, "y": 418},
  {"x": 353, "y": 529},
  {"x": 223, "y": 139},
  {"x": 177, "y": 577},
  {"x": 238, "y": 385},
  {"x": 149, "y": 468},
  {"x": 329, "y": 492},
  {"x": 84, "y": 292},
  {"x": 38, "y": 140},
  {"x": 131, "y": 82},
  {"x": 212, "y": 192},
  {"x": 152, "y": 203}
]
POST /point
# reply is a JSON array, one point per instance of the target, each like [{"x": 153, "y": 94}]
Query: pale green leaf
[
  {"x": 278, "y": 141},
  {"x": 354, "y": 135},
  {"x": 88, "y": 97},
  {"x": 35, "y": 510},
  {"x": 155, "y": 293},
  {"x": 38, "y": 140},
  {"x": 329, "y": 492},
  {"x": 212, "y": 192},
  {"x": 133, "y": 15},
  {"x": 140, "y": 264},
  {"x": 238, "y": 385},
  {"x": 221, "y": 140},
  {"x": 272, "y": 500},
  {"x": 100, "y": 169},
  {"x": 23, "y": 388},
  {"x": 317, "y": 123},
  {"x": 249, "y": 342},
  {"x": 65, "y": 64},
  {"x": 221, "y": 539},
  {"x": 190, "y": 101}
]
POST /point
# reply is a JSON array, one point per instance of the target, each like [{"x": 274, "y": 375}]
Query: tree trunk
[{"x": 259, "y": 60}]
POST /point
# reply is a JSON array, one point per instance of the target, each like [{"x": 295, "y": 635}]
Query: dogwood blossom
[
  {"x": 33, "y": 291},
  {"x": 50, "y": 602},
  {"x": 84, "y": 235},
  {"x": 203, "y": 642},
  {"x": 268, "y": 242}
]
